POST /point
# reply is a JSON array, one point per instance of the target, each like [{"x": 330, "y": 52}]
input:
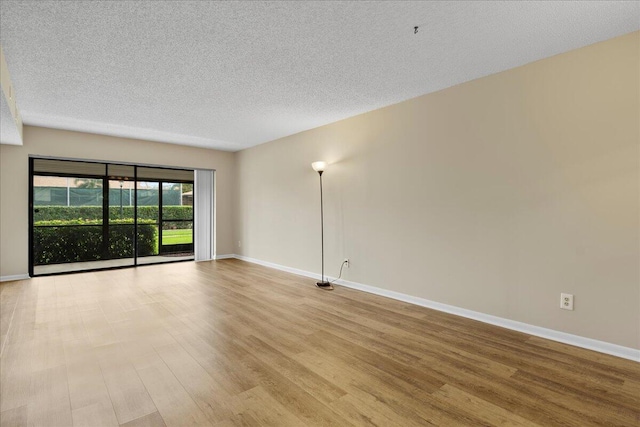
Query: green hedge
[
  {"x": 68, "y": 241},
  {"x": 51, "y": 213}
]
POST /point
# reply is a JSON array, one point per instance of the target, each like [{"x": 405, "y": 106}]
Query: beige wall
[
  {"x": 495, "y": 195},
  {"x": 14, "y": 180}
]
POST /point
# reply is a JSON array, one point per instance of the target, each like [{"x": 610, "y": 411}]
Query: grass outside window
[{"x": 177, "y": 237}]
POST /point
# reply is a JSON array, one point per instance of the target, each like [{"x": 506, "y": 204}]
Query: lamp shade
[{"x": 319, "y": 166}]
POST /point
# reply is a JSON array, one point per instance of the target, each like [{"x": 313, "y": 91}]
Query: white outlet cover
[{"x": 566, "y": 301}]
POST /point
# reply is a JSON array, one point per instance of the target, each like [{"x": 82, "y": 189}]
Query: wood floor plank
[
  {"x": 313, "y": 384},
  {"x": 9, "y": 295},
  {"x": 257, "y": 407},
  {"x": 365, "y": 336},
  {"x": 400, "y": 344},
  {"x": 487, "y": 412},
  {"x": 99, "y": 414},
  {"x": 128, "y": 394},
  {"x": 594, "y": 411},
  {"x": 23, "y": 325},
  {"x": 89, "y": 397},
  {"x": 219, "y": 358},
  {"x": 538, "y": 366},
  {"x": 399, "y": 399},
  {"x": 16, "y": 417},
  {"x": 524, "y": 400},
  {"x": 587, "y": 360},
  {"x": 300, "y": 403},
  {"x": 409, "y": 374},
  {"x": 152, "y": 420},
  {"x": 208, "y": 394},
  {"x": 49, "y": 403},
  {"x": 240, "y": 420},
  {"x": 47, "y": 353},
  {"x": 169, "y": 396},
  {"x": 367, "y": 413},
  {"x": 99, "y": 331},
  {"x": 16, "y": 372},
  {"x": 229, "y": 343}
]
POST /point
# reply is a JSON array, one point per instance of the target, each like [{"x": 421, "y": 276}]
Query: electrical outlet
[
  {"x": 239, "y": 244},
  {"x": 566, "y": 301},
  {"x": 346, "y": 261}
]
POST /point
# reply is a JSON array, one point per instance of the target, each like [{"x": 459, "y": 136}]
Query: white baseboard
[
  {"x": 224, "y": 256},
  {"x": 14, "y": 277},
  {"x": 551, "y": 334}
]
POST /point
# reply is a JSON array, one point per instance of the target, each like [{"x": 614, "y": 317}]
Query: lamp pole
[{"x": 320, "y": 167}]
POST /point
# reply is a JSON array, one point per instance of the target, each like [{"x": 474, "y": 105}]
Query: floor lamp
[{"x": 320, "y": 167}]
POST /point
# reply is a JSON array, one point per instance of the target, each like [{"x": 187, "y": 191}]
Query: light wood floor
[{"x": 228, "y": 343}]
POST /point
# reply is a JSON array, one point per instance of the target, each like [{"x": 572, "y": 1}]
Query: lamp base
[{"x": 325, "y": 285}]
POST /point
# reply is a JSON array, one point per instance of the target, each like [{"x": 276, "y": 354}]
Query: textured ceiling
[{"x": 231, "y": 75}]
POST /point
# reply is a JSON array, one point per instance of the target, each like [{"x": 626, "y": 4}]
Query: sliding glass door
[
  {"x": 88, "y": 215},
  {"x": 165, "y": 202},
  {"x": 67, "y": 222},
  {"x": 121, "y": 216},
  {"x": 176, "y": 219}
]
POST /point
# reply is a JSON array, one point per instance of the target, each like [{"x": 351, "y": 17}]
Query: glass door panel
[
  {"x": 121, "y": 242},
  {"x": 177, "y": 219},
  {"x": 148, "y": 202},
  {"x": 68, "y": 230}
]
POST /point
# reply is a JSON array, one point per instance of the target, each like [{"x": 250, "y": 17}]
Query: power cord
[{"x": 339, "y": 275}]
